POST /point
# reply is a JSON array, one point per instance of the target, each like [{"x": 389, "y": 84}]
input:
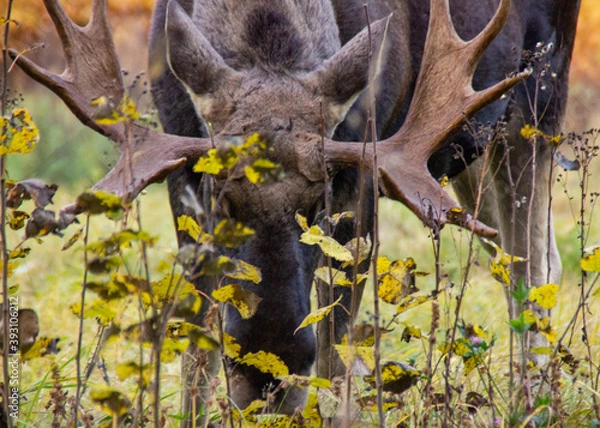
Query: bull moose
[{"x": 313, "y": 78}]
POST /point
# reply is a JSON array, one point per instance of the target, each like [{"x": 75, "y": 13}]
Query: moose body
[
  {"x": 295, "y": 71},
  {"x": 281, "y": 42}
]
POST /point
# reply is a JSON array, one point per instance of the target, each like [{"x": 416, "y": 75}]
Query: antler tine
[
  {"x": 92, "y": 68},
  {"x": 93, "y": 71},
  {"x": 442, "y": 100}
]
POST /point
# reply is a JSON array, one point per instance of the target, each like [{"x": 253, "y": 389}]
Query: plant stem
[{"x": 3, "y": 243}]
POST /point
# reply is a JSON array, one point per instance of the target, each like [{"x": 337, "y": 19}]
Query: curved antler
[
  {"x": 444, "y": 97},
  {"x": 93, "y": 71}
]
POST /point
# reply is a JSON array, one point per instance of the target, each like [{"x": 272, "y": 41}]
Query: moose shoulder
[{"x": 300, "y": 74}]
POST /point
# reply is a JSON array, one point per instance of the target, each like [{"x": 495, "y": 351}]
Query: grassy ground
[{"x": 50, "y": 279}]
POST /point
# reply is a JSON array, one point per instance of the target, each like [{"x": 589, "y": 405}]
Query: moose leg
[{"x": 330, "y": 331}]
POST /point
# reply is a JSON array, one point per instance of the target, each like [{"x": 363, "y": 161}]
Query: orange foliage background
[{"x": 130, "y": 21}]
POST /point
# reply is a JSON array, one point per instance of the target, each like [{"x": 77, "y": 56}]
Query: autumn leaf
[
  {"x": 301, "y": 220},
  {"x": 245, "y": 301},
  {"x": 111, "y": 401},
  {"x": 185, "y": 223},
  {"x": 98, "y": 202},
  {"x": 266, "y": 362},
  {"x": 231, "y": 348},
  {"x": 544, "y": 295},
  {"x": 359, "y": 359},
  {"x": 132, "y": 368},
  {"x": 335, "y": 276},
  {"x": 397, "y": 377},
  {"x": 231, "y": 233},
  {"x": 244, "y": 271},
  {"x": 318, "y": 315},
  {"x": 19, "y": 133},
  {"x": 591, "y": 263},
  {"x": 330, "y": 247},
  {"x": 500, "y": 263},
  {"x": 396, "y": 279}
]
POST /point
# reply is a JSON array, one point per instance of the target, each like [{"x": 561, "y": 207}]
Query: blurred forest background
[{"x": 130, "y": 21}]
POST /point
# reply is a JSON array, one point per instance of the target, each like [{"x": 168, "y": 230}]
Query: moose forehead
[
  {"x": 263, "y": 102},
  {"x": 286, "y": 34}
]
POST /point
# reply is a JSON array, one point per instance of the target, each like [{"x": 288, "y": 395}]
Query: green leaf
[
  {"x": 266, "y": 362},
  {"x": 521, "y": 293},
  {"x": 101, "y": 310},
  {"x": 520, "y": 325},
  {"x": 246, "y": 302},
  {"x": 318, "y": 315}
]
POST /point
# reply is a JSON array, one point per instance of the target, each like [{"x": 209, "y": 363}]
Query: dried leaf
[
  {"x": 98, "y": 202},
  {"x": 34, "y": 189}
]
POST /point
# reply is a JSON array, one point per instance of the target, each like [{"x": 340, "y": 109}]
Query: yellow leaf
[
  {"x": 112, "y": 401},
  {"x": 499, "y": 264},
  {"x": 410, "y": 332},
  {"x": 171, "y": 348},
  {"x": 529, "y": 317},
  {"x": 383, "y": 265},
  {"x": 444, "y": 181},
  {"x": 411, "y": 301},
  {"x": 209, "y": 164},
  {"x": 19, "y": 133},
  {"x": 244, "y": 271},
  {"x": 231, "y": 233},
  {"x": 361, "y": 356},
  {"x": 396, "y": 377},
  {"x": 246, "y": 302},
  {"x": 330, "y": 247},
  {"x": 591, "y": 263},
  {"x": 337, "y": 277},
  {"x": 364, "y": 250},
  {"x": 544, "y": 296},
  {"x": 132, "y": 368},
  {"x": 318, "y": 315},
  {"x": 231, "y": 348},
  {"x": 266, "y": 362},
  {"x": 301, "y": 220},
  {"x": 185, "y": 223}
]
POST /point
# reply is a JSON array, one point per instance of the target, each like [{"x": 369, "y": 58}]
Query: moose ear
[
  {"x": 191, "y": 57},
  {"x": 345, "y": 75}
]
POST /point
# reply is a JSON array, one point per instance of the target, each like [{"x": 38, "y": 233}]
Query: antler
[
  {"x": 444, "y": 97},
  {"x": 93, "y": 71}
]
